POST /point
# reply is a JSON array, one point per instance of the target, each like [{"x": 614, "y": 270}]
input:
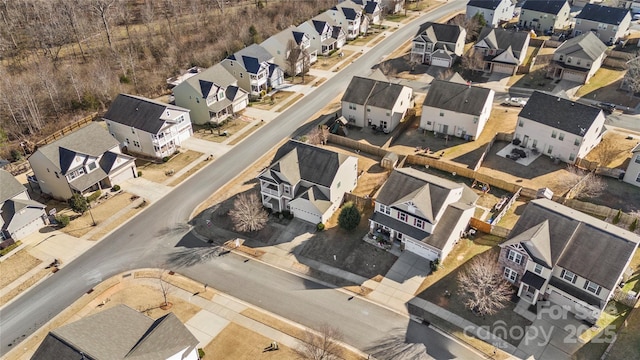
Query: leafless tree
[
  {"x": 472, "y": 60},
  {"x": 247, "y": 213},
  {"x": 165, "y": 288},
  {"x": 632, "y": 77},
  {"x": 472, "y": 25},
  {"x": 446, "y": 74},
  {"x": 387, "y": 68},
  {"x": 323, "y": 345},
  {"x": 318, "y": 135},
  {"x": 482, "y": 285},
  {"x": 293, "y": 58},
  {"x": 102, "y": 8},
  {"x": 589, "y": 185}
]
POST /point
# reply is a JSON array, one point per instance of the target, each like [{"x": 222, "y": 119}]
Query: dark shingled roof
[
  {"x": 584, "y": 245},
  {"x": 117, "y": 333},
  {"x": 578, "y": 293},
  {"x": 381, "y": 94},
  {"x": 297, "y": 160},
  {"x": 456, "y": 97},
  {"x": 548, "y": 6},
  {"x": 319, "y": 25},
  {"x": 138, "y": 112},
  {"x": 485, "y": 4},
  {"x": 603, "y": 14},
  {"x": 298, "y": 36},
  {"x": 533, "y": 279},
  {"x": 439, "y": 32},
  {"x": 370, "y": 7},
  {"x": 9, "y": 186},
  {"x": 501, "y": 39},
  {"x": 251, "y": 57},
  {"x": 562, "y": 114},
  {"x": 585, "y": 46}
]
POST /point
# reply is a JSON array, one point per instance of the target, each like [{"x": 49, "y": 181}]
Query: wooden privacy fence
[
  {"x": 352, "y": 144},
  {"x": 506, "y": 207},
  {"x": 487, "y": 228},
  {"x": 67, "y": 129}
]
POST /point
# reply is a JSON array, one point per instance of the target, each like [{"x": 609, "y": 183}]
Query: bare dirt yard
[
  {"x": 163, "y": 171},
  {"x": 269, "y": 102},
  {"x": 605, "y": 86},
  {"x": 15, "y": 266},
  {"x": 231, "y": 126},
  {"x": 238, "y": 342},
  {"x": 614, "y": 151}
]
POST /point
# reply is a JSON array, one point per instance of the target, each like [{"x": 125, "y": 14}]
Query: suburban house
[
  {"x": 426, "y": 213},
  {"x": 438, "y": 44},
  {"x": 308, "y": 181},
  {"x": 456, "y": 108},
  {"x": 350, "y": 17},
  {"x": 212, "y": 96},
  {"x": 632, "y": 175},
  {"x": 324, "y": 37},
  {"x": 180, "y": 78},
  {"x": 493, "y": 11},
  {"x": 608, "y": 23},
  {"x": 120, "y": 333},
  {"x": 566, "y": 257},
  {"x": 372, "y": 10},
  {"x": 578, "y": 58},
  {"x": 376, "y": 103},
  {"x": 560, "y": 128},
  {"x": 503, "y": 50},
  {"x": 148, "y": 127},
  {"x": 19, "y": 215},
  {"x": 254, "y": 69},
  {"x": 85, "y": 160},
  {"x": 545, "y": 15},
  {"x": 283, "y": 43},
  {"x": 391, "y": 6}
]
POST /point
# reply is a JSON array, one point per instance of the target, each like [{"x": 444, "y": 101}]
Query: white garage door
[
  {"x": 28, "y": 229},
  {"x": 122, "y": 176},
  {"x": 503, "y": 68},
  {"x": 440, "y": 62},
  {"x": 184, "y": 134},
  {"x": 305, "y": 215},
  {"x": 421, "y": 250},
  {"x": 573, "y": 76}
]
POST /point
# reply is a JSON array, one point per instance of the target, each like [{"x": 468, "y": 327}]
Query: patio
[{"x": 531, "y": 154}]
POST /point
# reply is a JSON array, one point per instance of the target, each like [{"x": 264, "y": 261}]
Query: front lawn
[{"x": 601, "y": 79}]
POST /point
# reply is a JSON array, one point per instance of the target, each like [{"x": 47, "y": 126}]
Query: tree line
[{"x": 62, "y": 59}]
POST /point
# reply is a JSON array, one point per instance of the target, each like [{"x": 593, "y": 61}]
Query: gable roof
[
  {"x": 435, "y": 32},
  {"x": 536, "y": 241},
  {"x": 547, "y": 7},
  {"x": 585, "y": 46},
  {"x": 139, "y": 112},
  {"x": 456, "y": 97},
  {"x": 283, "y": 37},
  {"x": 370, "y": 7},
  {"x": 560, "y": 113},
  {"x": 603, "y": 14},
  {"x": 92, "y": 140},
  {"x": 252, "y": 57},
  {"x": 296, "y": 160},
  {"x": 382, "y": 94},
  {"x": 216, "y": 75},
  {"x": 485, "y": 4},
  {"x": 497, "y": 38},
  {"x": 9, "y": 186},
  {"x": 636, "y": 149},
  {"x": 117, "y": 333},
  {"x": 584, "y": 245}
]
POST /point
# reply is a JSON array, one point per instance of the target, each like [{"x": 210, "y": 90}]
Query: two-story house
[
  {"x": 392, "y": 6},
  {"x": 608, "y": 23},
  {"x": 558, "y": 127},
  {"x": 438, "y": 44},
  {"x": 566, "y": 257},
  {"x": 212, "y": 96},
  {"x": 427, "y": 214},
  {"x": 83, "y": 161},
  {"x": 287, "y": 42},
  {"x": 120, "y": 333},
  {"x": 350, "y": 17},
  {"x": 545, "y": 15},
  {"x": 493, "y": 11},
  {"x": 456, "y": 108},
  {"x": 578, "y": 58},
  {"x": 147, "y": 127},
  {"x": 632, "y": 175},
  {"x": 19, "y": 215},
  {"x": 376, "y": 103},
  {"x": 372, "y": 10},
  {"x": 503, "y": 50},
  {"x": 254, "y": 69},
  {"x": 324, "y": 37},
  {"x": 308, "y": 181}
]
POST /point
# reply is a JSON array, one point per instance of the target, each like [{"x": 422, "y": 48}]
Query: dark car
[{"x": 607, "y": 107}]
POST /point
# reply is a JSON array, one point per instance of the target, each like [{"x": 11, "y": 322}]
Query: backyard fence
[
  {"x": 575, "y": 189},
  {"x": 505, "y": 208},
  {"x": 586, "y": 164},
  {"x": 356, "y": 145},
  {"x": 66, "y": 130},
  {"x": 508, "y": 137},
  {"x": 359, "y": 201},
  {"x": 552, "y": 44},
  {"x": 600, "y": 211},
  {"x": 409, "y": 119},
  {"x": 487, "y": 228}
]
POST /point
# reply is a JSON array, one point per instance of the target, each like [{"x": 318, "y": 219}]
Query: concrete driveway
[{"x": 205, "y": 147}]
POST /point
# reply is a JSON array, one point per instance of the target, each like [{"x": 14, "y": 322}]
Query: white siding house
[
  {"x": 578, "y": 59},
  {"x": 493, "y": 11},
  {"x": 438, "y": 44},
  {"x": 283, "y": 43},
  {"x": 503, "y": 50},
  {"x": 608, "y": 23},
  {"x": 19, "y": 215},
  {"x": 456, "y": 109},
  {"x": 558, "y": 127},
  {"x": 632, "y": 175},
  {"x": 545, "y": 16},
  {"x": 254, "y": 70}
]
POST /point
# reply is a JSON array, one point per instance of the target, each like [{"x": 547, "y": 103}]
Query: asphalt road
[{"x": 160, "y": 230}]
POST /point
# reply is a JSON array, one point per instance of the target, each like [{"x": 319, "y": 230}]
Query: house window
[
  {"x": 241, "y": 75},
  {"x": 475, "y": 119},
  {"x": 550, "y": 149},
  {"x": 510, "y": 275},
  {"x": 402, "y": 216},
  {"x": 576, "y": 142},
  {"x": 561, "y": 57},
  {"x": 535, "y": 144},
  {"x": 287, "y": 189},
  {"x": 441, "y": 113},
  {"x": 352, "y": 106},
  {"x": 418, "y": 223},
  {"x": 91, "y": 166},
  {"x": 385, "y": 209},
  {"x": 572, "y": 157},
  {"x": 578, "y": 62},
  {"x": 638, "y": 178},
  {"x": 537, "y": 269},
  {"x": 569, "y": 60},
  {"x": 569, "y": 276},
  {"x": 592, "y": 287},
  {"x": 388, "y": 113},
  {"x": 554, "y": 134},
  {"x": 520, "y": 123},
  {"x": 515, "y": 256},
  {"x": 561, "y": 137},
  {"x": 368, "y": 109},
  {"x": 338, "y": 187}
]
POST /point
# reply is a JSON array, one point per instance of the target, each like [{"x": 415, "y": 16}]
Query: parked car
[
  {"x": 515, "y": 101},
  {"x": 607, "y": 107}
]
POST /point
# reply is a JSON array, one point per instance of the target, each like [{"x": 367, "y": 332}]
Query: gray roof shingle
[
  {"x": 585, "y": 46},
  {"x": 560, "y": 113},
  {"x": 456, "y": 97},
  {"x": 485, "y": 4},
  {"x": 501, "y": 39},
  {"x": 9, "y": 186},
  {"x": 547, "y": 7},
  {"x": 381, "y": 94},
  {"x": 603, "y": 14},
  {"x": 204, "y": 81},
  {"x": 138, "y": 112},
  {"x": 435, "y": 32}
]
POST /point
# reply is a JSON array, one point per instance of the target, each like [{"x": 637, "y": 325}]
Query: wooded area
[{"x": 63, "y": 59}]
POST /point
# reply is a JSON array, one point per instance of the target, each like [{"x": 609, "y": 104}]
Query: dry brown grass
[
  {"x": 24, "y": 286},
  {"x": 104, "y": 230},
  {"x": 248, "y": 132},
  {"x": 290, "y": 102},
  {"x": 271, "y": 101},
  {"x": 15, "y": 266},
  {"x": 231, "y": 127},
  {"x": 83, "y": 224},
  {"x": 189, "y": 172},
  {"x": 184, "y": 283},
  {"x": 614, "y": 147},
  {"x": 158, "y": 172},
  {"x": 238, "y": 342},
  {"x": 327, "y": 62}
]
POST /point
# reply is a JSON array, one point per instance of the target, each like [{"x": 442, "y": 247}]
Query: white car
[{"x": 515, "y": 101}]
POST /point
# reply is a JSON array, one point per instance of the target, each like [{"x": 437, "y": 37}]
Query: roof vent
[
  {"x": 572, "y": 104},
  {"x": 558, "y": 99}
]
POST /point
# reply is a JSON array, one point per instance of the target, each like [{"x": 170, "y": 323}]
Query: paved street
[{"x": 160, "y": 231}]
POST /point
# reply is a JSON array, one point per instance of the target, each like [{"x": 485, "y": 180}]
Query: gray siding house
[
  {"x": 608, "y": 23},
  {"x": 545, "y": 15}
]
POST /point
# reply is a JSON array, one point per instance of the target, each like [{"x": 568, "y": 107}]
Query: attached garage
[
  {"x": 504, "y": 68},
  {"x": 577, "y": 76},
  {"x": 574, "y": 306},
  {"x": 29, "y": 228},
  {"x": 306, "y": 214},
  {"x": 125, "y": 174},
  {"x": 440, "y": 62},
  {"x": 420, "y": 249}
]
